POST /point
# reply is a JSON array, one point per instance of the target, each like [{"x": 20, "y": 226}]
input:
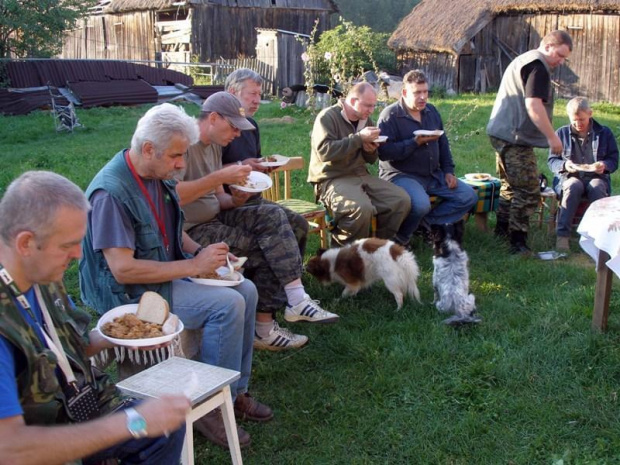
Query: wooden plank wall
[
  {"x": 440, "y": 68},
  {"x": 223, "y": 67},
  {"x": 593, "y": 69},
  {"x": 119, "y": 37},
  {"x": 213, "y": 34}
]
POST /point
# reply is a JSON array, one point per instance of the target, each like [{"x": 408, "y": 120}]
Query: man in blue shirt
[
  {"x": 422, "y": 163},
  {"x": 44, "y": 223}
]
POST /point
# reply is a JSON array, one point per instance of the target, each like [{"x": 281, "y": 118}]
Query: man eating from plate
[
  {"x": 45, "y": 346},
  {"x": 260, "y": 231},
  {"x": 422, "y": 163},
  {"x": 583, "y": 168},
  {"x": 135, "y": 243}
]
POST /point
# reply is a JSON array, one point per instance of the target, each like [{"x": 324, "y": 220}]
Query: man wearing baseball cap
[{"x": 260, "y": 231}]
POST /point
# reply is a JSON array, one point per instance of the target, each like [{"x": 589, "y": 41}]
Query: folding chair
[{"x": 64, "y": 115}]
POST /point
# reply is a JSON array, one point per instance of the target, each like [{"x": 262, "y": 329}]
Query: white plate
[
  {"x": 222, "y": 271},
  {"x": 257, "y": 182},
  {"x": 585, "y": 167},
  {"x": 380, "y": 140},
  {"x": 280, "y": 161},
  {"x": 132, "y": 308},
  {"x": 478, "y": 176},
  {"x": 425, "y": 132}
]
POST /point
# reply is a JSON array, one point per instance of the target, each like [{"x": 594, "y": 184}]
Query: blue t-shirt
[{"x": 9, "y": 395}]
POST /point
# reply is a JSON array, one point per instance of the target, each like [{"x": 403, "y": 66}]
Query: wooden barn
[
  {"x": 173, "y": 30},
  {"x": 466, "y": 45}
]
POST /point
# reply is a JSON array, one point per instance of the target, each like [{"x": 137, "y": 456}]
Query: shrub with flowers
[{"x": 343, "y": 54}]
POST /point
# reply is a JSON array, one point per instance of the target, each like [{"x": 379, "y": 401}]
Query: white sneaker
[
  {"x": 279, "y": 339},
  {"x": 309, "y": 310}
]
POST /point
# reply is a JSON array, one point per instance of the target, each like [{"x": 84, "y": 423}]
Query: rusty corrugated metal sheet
[{"x": 116, "y": 92}]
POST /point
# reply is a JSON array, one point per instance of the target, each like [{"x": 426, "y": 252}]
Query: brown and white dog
[{"x": 366, "y": 261}]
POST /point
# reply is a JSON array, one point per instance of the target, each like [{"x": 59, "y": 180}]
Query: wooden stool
[
  {"x": 548, "y": 201},
  {"x": 210, "y": 389}
]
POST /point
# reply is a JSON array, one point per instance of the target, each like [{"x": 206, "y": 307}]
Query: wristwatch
[{"x": 136, "y": 424}]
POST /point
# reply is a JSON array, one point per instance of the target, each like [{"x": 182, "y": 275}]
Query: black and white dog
[{"x": 451, "y": 279}]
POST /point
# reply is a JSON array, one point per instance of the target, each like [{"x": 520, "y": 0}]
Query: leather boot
[
  {"x": 211, "y": 426},
  {"x": 501, "y": 229},
  {"x": 458, "y": 231},
  {"x": 518, "y": 243}
]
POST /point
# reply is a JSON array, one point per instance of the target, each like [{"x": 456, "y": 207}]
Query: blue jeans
[
  {"x": 227, "y": 317},
  {"x": 146, "y": 451},
  {"x": 455, "y": 203}
]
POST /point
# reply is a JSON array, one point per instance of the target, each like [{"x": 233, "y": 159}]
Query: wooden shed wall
[
  {"x": 129, "y": 36},
  {"x": 219, "y": 31},
  {"x": 440, "y": 68},
  {"x": 593, "y": 69}
]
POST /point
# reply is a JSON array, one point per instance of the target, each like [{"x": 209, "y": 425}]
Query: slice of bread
[{"x": 153, "y": 308}]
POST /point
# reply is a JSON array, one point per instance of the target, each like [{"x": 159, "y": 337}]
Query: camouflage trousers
[
  {"x": 273, "y": 238},
  {"x": 519, "y": 194}
]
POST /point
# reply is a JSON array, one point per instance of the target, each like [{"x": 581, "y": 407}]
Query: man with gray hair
[
  {"x": 583, "y": 168},
  {"x": 343, "y": 142},
  {"x": 521, "y": 120},
  {"x": 43, "y": 418},
  {"x": 135, "y": 243}
]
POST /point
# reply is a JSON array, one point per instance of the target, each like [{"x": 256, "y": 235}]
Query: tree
[
  {"x": 35, "y": 28},
  {"x": 381, "y": 16}
]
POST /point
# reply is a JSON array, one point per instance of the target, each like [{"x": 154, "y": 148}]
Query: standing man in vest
[
  {"x": 135, "y": 243},
  {"x": 520, "y": 121},
  {"x": 44, "y": 221}
]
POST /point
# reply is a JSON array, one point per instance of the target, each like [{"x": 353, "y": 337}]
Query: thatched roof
[
  {"x": 120, "y": 6},
  {"x": 447, "y": 25}
]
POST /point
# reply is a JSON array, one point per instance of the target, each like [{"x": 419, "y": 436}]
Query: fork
[{"x": 231, "y": 269}]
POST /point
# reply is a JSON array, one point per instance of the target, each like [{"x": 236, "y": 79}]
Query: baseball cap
[{"x": 229, "y": 107}]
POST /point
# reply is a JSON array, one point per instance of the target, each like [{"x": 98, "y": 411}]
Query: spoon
[{"x": 231, "y": 269}]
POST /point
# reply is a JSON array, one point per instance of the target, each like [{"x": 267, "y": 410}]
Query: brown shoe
[
  {"x": 248, "y": 408},
  {"x": 211, "y": 426}
]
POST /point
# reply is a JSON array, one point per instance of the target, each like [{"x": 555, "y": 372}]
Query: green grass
[{"x": 531, "y": 384}]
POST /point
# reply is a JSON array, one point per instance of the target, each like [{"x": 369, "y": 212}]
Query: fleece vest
[
  {"x": 509, "y": 119},
  {"x": 98, "y": 287}
]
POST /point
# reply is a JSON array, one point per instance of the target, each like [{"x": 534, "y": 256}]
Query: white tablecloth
[{"x": 600, "y": 230}]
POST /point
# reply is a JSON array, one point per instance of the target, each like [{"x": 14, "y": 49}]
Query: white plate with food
[
  {"x": 426, "y": 132},
  {"x": 255, "y": 182},
  {"x": 478, "y": 176},
  {"x": 125, "y": 326},
  {"x": 380, "y": 140},
  {"x": 221, "y": 278},
  {"x": 586, "y": 168},
  {"x": 273, "y": 161}
]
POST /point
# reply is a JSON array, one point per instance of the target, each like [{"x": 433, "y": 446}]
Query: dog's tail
[{"x": 411, "y": 272}]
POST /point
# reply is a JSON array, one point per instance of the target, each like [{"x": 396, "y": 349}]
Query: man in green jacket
[{"x": 343, "y": 143}]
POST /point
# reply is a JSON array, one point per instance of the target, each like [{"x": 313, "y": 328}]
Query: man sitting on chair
[
  {"x": 590, "y": 155},
  {"x": 259, "y": 230}
]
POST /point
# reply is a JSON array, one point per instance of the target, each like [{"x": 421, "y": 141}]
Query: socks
[
  {"x": 295, "y": 292},
  {"x": 264, "y": 328}
]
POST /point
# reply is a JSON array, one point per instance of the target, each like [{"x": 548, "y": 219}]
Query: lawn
[{"x": 530, "y": 384}]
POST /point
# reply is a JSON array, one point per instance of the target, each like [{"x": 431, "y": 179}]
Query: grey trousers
[{"x": 573, "y": 190}]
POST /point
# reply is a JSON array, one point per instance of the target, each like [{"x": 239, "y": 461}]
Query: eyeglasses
[{"x": 235, "y": 128}]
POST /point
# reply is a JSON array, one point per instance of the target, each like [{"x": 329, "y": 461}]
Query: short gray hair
[
  {"x": 576, "y": 105},
  {"x": 237, "y": 78},
  {"x": 160, "y": 124},
  {"x": 31, "y": 202}
]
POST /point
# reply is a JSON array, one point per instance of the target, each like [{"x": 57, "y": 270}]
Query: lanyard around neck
[
  {"x": 49, "y": 332},
  {"x": 160, "y": 221}
]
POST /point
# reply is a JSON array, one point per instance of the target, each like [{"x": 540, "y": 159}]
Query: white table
[
  {"x": 600, "y": 238},
  {"x": 207, "y": 386}
]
